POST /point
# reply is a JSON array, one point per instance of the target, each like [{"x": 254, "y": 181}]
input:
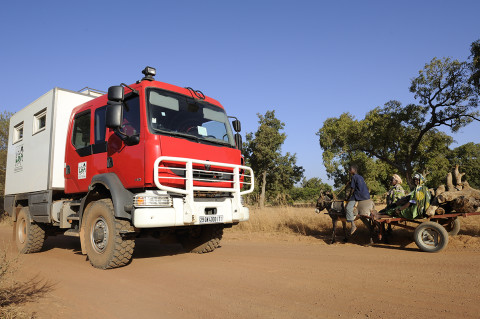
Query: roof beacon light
[{"x": 149, "y": 73}]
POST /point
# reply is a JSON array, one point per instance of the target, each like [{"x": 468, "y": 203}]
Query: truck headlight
[{"x": 144, "y": 200}]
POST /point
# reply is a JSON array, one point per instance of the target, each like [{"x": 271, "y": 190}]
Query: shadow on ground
[
  {"x": 399, "y": 239},
  {"x": 152, "y": 247},
  {"x": 144, "y": 247}
]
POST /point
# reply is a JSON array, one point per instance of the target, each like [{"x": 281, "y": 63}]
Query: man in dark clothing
[{"x": 358, "y": 192}]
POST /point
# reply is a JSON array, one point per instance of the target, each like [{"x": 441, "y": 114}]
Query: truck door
[
  {"x": 99, "y": 148},
  {"x": 127, "y": 161},
  {"x": 78, "y": 159}
]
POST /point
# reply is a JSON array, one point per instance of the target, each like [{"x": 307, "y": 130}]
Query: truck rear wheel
[
  {"x": 28, "y": 237},
  {"x": 106, "y": 248},
  {"x": 202, "y": 239}
]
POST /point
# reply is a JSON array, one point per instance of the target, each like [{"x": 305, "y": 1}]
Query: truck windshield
[{"x": 175, "y": 114}]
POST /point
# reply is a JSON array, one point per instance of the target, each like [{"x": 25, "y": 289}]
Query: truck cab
[{"x": 146, "y": 158}]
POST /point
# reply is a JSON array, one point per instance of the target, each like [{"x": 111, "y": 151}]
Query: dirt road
[{"x": 257, "y": 278}]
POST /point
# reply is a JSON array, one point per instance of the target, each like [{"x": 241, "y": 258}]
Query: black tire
[
  {"x": 202, "y": 239},
  {"x": 431, "y": 237},
  {"x": 29, "y": 237},
  {"x": 106, "y": 248},
  {"x": 452, "y": 226}
]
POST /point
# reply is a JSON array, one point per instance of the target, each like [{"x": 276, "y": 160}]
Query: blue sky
[{"x": 308, "y": 60}]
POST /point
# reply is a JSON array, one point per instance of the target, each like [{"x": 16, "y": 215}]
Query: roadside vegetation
[{"x": 15, "y": 292}]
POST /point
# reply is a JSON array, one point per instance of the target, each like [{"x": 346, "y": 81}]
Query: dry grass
[
  {"x": 304, "y": 223},
  {"x": 15, "y": 293},
  {"x": 286, "y": 220}
]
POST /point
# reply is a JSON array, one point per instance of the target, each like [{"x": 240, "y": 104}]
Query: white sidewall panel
[
  {"x": 66, "y": 102},
  {"x": 43, "y": 153},
  {"x": 32, "y": 174}
]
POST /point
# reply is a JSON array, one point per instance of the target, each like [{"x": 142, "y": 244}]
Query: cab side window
[
  {"x": 100, "y": 129},
  {"x": 131, "y": 116},
  {"x": 81, "y": 133},
  {"x": 100, "y": 125}
]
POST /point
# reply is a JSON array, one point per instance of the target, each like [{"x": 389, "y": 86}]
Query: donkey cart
[{"x": 431, "y": 235}]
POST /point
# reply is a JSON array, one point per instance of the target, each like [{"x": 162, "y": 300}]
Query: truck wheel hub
[
  {"x": 22, "y": 231},
  {"x": 99, "y": 235}
]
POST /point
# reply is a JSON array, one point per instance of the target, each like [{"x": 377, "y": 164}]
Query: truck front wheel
[
  {"x": 105, "y": 245},
  {"x": 202, "y": 239},
  {"x": 28, "y": 237}
]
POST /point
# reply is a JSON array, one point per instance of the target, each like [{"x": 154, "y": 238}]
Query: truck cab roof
[{"x": 141, "y": 86}]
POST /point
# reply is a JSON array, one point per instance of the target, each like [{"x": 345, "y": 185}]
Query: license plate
[{"x": 212, "y": 219}]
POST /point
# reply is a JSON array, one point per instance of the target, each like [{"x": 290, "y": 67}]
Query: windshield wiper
[
  {"x": 218, "y": 142},
  {"x": 173, "y": 133}
]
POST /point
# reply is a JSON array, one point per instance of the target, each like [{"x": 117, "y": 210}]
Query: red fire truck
[{"x": 148, "y": 158}]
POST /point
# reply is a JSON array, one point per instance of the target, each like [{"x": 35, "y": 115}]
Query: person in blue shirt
[{"x": 358, "y": 192}]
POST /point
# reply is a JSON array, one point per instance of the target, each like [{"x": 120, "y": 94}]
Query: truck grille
[
  {"x": 184, "y": 176},
  {"x": 204, "y": 175}
]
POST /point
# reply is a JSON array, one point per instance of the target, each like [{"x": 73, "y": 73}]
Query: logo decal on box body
[{"x": 18, "y": 159}]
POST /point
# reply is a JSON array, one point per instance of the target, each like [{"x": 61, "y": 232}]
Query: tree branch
[
  {"x": 472, "y": 117},
  {"x": 383, "y": 158},
  {"x": 440, "y": 89}
]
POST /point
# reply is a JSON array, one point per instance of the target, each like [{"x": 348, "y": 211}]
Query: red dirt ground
[{"x": 252, "y": 276}]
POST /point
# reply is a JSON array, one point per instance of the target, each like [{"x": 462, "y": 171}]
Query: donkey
[{"x": 336, "y": 211}]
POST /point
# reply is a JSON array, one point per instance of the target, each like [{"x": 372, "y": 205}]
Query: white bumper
[{"x": 205, "y": 211}]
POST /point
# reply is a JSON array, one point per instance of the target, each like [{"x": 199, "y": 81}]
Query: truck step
[
  {"x": 72, "y": 233},
  {"x": 73, "y": 217},
  {"x": 75, "y": 203}
]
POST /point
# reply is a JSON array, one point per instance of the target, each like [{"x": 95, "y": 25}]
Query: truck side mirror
[
  {"x": 114, "y": 115},
  {"x": 239, "y": 142},
  {"x": 237, "y": 126},
  {"x": 116, "y": 93}
]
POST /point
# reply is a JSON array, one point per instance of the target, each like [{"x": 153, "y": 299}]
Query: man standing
[{"x": 358, "y": 192}]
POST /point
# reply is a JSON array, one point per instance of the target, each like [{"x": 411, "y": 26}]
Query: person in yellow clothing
[{"x": 418, "y": 203}]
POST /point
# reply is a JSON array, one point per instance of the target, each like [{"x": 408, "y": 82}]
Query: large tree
[
  {"x": 379, "y": 147},
  {"x": 407, "y": 138},
  {"x": 275, "y": 172}
]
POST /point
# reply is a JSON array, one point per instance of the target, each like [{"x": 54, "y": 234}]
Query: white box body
[{"x": 36, "y": 162}]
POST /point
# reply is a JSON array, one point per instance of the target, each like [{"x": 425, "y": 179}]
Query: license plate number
[{"x": 211, "y": 219}]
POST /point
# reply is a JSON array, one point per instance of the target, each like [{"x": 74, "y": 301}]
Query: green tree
[
  {"x": 314, "y": 182},
  {"x": 4, "y": 125},
  {"x": 275, "y": 173},
  {"x": 309, "y": 190},
  {"x": 407, "y": 138},
  {"x": 467, "y": 156},
  {"x": 475, "y": 64},
  {"x": 283, "y": 177}
]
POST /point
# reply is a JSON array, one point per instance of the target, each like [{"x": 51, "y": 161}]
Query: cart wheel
[
  {"x": 431, "y": 237},
  {"x": 452, "y": 226}
]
